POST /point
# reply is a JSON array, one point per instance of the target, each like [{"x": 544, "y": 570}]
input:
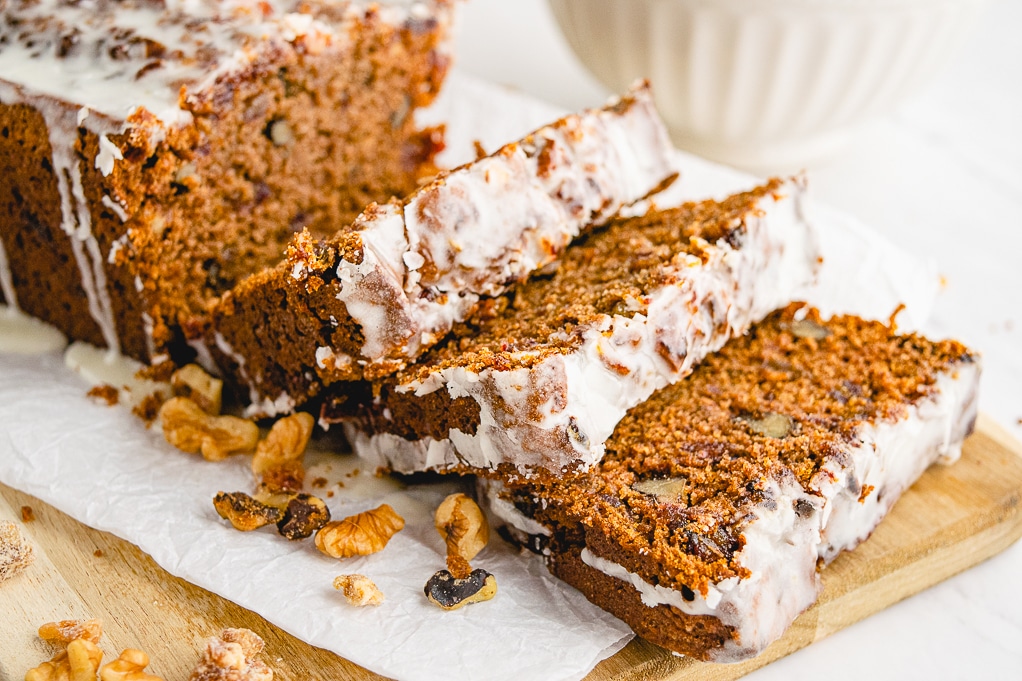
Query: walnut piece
[
  {"x": 772, "y": 425},
  {"x": 16, "y": 553},
  {"x": 192, "y": 430},
  {"x": 59, "y": 634},
  {"x": 360, "y": 534},
  {"x": 278, "y": 458},
  {"x": 80, "y": 662},
  {"x": 304, "y": 515},
  {"x": 233, "y": 656},
  {"x": 463, "y": 527},
  {"x": 193, "y": 382},
  {"x": 129, "y": 666},
  {"x": 359, "y": 590},
  {"x": 664, "y": 489},
  {"x": 807, "y": 328},
  {"x": 287, "y": 478},
  {"x": 244, "y": 512},
  {"x": 447, "y": 592}
]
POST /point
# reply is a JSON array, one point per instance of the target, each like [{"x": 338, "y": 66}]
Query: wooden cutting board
[{"x": 954, "y": 517}]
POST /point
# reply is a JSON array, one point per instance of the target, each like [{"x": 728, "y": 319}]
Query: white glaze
[
  {"x": 782, "y": 549},
  {"x": 98, "y": 367},
  {"x": 618, "y": 364},
  {"x": 97, "y": 65},
  {"x": 24, "y": 335},
  {"x": 116, "y": 207},
  {"x": 493, "y": 222},
  {"x": 105, "y": 73}
]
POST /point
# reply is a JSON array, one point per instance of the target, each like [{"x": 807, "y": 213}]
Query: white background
[{"x": 941, "y": 177}]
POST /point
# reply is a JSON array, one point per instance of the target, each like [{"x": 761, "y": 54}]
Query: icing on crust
[
  {"x": 781, "y": 546},
  {"x": 424, "y": 264},
  {"x": 619, "y": 362}
]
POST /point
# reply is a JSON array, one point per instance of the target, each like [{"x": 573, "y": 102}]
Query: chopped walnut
[
  {"x": 303, "y": 516},
  {"x": 244, "y": 512},
  {"x": 15, "y": 552},
  {"x": 59, "y": 634},
  {"x": 79, "y": 662},
  {"x": 287, "y": 478},
  {"x": 192, "y": 430},
  {"x": 361, "y": 534},
  {"x": 193, "y": 382},
  {"x": 129, "y": 666},
  {"x": 278, "y": 456},
  {"x": 447, "y": 592},
  {"x": 233, "y": 656},
  {"x": 463, "y": 527},
  {"x": 359, "y": 590}
]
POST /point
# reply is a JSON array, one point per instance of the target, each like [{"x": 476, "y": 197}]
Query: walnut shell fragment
[
  {"x": 448, "y": 593},
  {"x": 361, "y": 534}
]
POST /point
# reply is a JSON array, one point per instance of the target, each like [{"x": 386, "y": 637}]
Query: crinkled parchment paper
[{"x": 100, "y": 465}]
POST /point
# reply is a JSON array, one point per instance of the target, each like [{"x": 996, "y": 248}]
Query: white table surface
[{"x": 942, "y": 176}]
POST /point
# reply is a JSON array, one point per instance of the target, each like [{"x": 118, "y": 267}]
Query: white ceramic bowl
[{"x": 767, "y": 84}]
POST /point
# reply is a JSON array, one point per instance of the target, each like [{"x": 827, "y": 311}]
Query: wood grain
[{"x": 954, "y": 517}]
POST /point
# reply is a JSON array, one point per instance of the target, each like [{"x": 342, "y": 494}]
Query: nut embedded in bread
[{"x": 703, "y": 526}]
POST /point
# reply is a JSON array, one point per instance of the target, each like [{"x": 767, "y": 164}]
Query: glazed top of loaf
[{"x": 114, "y": 57}]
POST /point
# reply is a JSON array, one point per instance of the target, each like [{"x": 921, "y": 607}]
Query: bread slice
[
  {"x": 543, "y": 380},
  {"x": 704, "y": 524},
  {"x": 372, "y": 298}
]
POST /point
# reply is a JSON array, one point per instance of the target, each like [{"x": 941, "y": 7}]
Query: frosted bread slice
[
  {"x": 543, "y": 380},
  {"x": 703, "y": 525},
  {"x": 371, "y": 299}
]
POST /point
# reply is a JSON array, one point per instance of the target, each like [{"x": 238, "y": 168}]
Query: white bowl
[{"x": 767, "y": 84}]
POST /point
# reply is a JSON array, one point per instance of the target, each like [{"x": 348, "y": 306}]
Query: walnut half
[
  {"x": 361, "y": 534},
  {"x": 190, "y": 429},
  {"x": 463, "y": 527}
]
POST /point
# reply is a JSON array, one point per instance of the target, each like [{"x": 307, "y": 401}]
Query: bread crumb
[
  {"x": 149, "y": 408},
  {"x": 104, "y": 393}
]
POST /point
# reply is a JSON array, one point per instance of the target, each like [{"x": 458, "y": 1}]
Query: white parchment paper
[{"x": 100, "y": 465}]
